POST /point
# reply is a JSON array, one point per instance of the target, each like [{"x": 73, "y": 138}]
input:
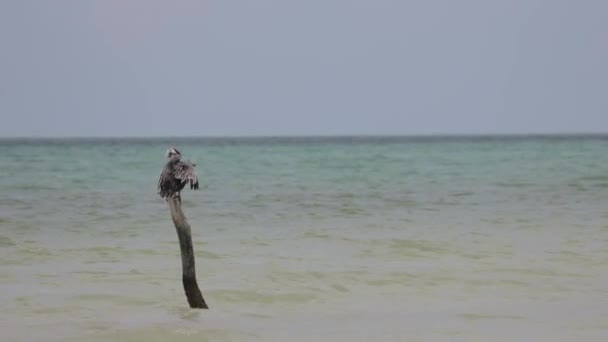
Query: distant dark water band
[{"x": 305, "y": 140}]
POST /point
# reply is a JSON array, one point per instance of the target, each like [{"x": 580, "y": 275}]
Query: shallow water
[{"x": 418, "y": 239}]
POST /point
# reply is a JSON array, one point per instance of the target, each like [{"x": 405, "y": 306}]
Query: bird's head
[{"x": 172, "y": 152}]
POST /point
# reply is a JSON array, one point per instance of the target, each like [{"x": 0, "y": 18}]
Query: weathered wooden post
[{"x": 193, "y": 293}]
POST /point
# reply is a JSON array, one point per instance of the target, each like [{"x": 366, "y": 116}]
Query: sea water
[{"x": 298, "y": 239}]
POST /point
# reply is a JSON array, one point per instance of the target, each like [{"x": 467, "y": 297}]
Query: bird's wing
[
  {"x": 185, "y": 172},
  {"x": 165, "y": 174}
]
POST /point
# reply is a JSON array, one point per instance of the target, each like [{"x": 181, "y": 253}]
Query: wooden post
[{"x": 193, "y": 293}]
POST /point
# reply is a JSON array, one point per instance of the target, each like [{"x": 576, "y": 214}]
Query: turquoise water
[{"x": 353, "y": 238}]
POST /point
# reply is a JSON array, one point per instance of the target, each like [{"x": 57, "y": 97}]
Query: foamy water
[{"x": 435, "y": 239}]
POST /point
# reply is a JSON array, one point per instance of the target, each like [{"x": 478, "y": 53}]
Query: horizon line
[{"x": 305, "y": 136}]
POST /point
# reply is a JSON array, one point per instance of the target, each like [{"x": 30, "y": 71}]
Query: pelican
[{"x": 175, "y": 175}]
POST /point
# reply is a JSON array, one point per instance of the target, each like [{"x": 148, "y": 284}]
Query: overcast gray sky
[{"x": 280, "y": 67}]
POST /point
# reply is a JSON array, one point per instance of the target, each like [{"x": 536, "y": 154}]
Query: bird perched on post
[{"x": 176, "y": 175}]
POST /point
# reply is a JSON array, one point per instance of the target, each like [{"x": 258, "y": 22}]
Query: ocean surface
[{"x": 490, "y": 238}]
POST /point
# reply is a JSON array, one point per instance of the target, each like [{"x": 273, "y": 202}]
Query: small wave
[
  {"x": 514, "y": 184},
  {"x": 444, "y": 202},
  {"x": 239, "y": 296},
  {"x": 479, "y": 316},
  {"x": 315, "y": 235},
  {"x": 403, "y": 202},
  {"x": 6, "y": 242},
  {"x": 340, "y": 288},
  {"x": 296, "y": 277},
  {"x": 36, "y": 252},
  {"x": 114, "y": 299},
  {"x": 594, "y": 178},
  {"x": 93, "y": 273},
  {"x": 37, "y": 187},
  {"x": 207, "y": 255},
  {"x": 159, "y": 332},
  {"x": 414, "y": 247},
  {"x": 18, "y": 203},
  {"x": 352, "y": 211},
  {"x": 462, "y": 194}
]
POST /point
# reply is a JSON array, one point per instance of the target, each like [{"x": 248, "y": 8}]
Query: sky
[{"x": 314, "y": 67}]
